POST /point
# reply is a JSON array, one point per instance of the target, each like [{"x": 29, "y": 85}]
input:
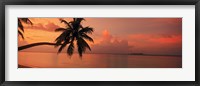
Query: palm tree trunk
[{"x": 34, "y": 44}]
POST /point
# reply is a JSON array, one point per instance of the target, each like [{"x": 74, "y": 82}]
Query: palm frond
[
  {"x": 20, "y": 34},
  {"x": 76, "y": 23},
  {"x": 60, "y": 41},
  {"x": 60, "y": 29},
  {"x": 26, "y": 20},
  {"x": 85, "y": 44},
  {"x": 81, "y": 42},
  {"x": 70, "y": 49},
  {"x": 65, "y": 36},
  {"x": 62, "y": 46},
  {"x": 85, "y": 36},
  {"x": 21, "y": 27},
  {"x": 62, "y": 36},
  {"x": 74, "y": 19},
  {"x": 82, "y": 45},
  {"x": 80, "y": 50},
  {"x": 79, "y": 20},
  {"x": 63, "y": 21},
  {"x": 87, "y": 30}
]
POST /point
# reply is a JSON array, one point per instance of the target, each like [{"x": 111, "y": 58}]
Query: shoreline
[{"x": 22, "y": 66}]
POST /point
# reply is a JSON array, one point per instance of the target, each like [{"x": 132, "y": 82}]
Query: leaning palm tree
[
  {"x": 74, "y": 33},
  {"x": 21, "y": 27}
]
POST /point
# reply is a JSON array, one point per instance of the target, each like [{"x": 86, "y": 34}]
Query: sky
[{"x": 113, "y": 35}]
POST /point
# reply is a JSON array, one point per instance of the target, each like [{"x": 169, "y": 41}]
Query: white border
[{"x": 187, "y": 73}]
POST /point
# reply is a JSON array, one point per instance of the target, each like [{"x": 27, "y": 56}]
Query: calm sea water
[{"x": 62, "y": 60}]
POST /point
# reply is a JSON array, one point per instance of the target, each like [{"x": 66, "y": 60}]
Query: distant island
[
  {"x": 151, "y": 54},
  {"x": 136, "y": 54},
  {"x": 142, "y": 54}
]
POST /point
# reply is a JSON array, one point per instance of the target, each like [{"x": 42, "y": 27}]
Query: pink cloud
[
  {"x": 111, "y": 44},
  {"x": 162, "y": 38},
  {"x": 169, "y": 40},
  {"x": 48, "y": 27},
  {"x": 51, "y": 26},
  {"x": 156, "y": 44}
]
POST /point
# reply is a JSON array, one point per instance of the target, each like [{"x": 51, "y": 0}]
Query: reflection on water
[{"x": 54, "y": 60}]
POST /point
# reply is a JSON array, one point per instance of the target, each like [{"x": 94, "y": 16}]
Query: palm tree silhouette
[
  {"x": 74, "y": 31},
  {"x": 21, "y": 27}
]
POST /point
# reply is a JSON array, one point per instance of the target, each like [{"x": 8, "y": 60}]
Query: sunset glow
[
  {"x": 127, "y": 34},
  {"x": 116, "y": 36}
]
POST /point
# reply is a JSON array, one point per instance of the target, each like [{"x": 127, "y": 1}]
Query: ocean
[{"x": 62, "y": 60}]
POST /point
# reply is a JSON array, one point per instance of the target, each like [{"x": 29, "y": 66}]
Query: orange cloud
[
  {"x": 170, "y": 39},
  {"x": 36, "y": 35},
  {"x": 48, "y": 27}
]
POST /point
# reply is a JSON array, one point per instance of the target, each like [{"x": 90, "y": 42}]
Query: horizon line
[{"x": 144, "y": 54}]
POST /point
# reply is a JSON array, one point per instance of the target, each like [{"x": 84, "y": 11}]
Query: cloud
[
  {"x": 158, "y": 38},
  {"x": 167, "y": 39},
  {"x": 146, "y": 35},
  {"x": 157, "y": 44},
  {"x": 139, "y": 43},
  {"x": 51, "y": 26},
  {"x": 47, "y": 27},
  {"x": 111, "y": 44}
]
